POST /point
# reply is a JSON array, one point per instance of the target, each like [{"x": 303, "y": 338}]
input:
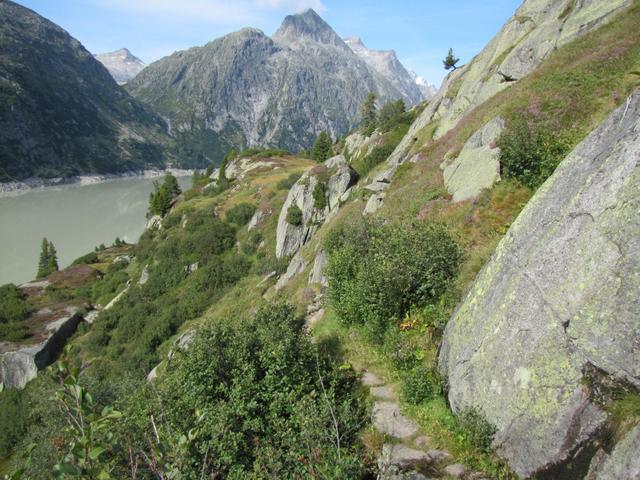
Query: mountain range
[
  {"x": 249, "y": 89},
  {"x": 63, "y": 114}
]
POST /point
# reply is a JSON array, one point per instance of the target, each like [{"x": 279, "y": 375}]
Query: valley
[{"x": 359, "y": 282}]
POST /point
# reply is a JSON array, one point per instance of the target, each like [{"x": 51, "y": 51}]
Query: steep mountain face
[
  {"x": 538, "y": 28},
  {"x": 247, "y": 89},
  {"x": 386, "y": 63},
  {"x": 552, "y": 321},
  {"x": 122, "y": 65},
  {"x": 61, "y": 113}
]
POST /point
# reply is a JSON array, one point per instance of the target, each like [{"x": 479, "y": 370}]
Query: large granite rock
[
  {"x": 338, "y": 177},
  {"x": 624, "y": 461},
  {"x": 19, "y": 366},
  {"x": 477, "y": 166},
  {"x": 561, "y": 296}
]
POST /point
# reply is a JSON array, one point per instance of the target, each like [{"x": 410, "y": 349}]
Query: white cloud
[{"x": 212, "y": 11}]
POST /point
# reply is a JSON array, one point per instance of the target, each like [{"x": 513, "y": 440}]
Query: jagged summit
[
  {"x": 307, "y": 26},
  {"x": 386, "y": 63},
  {"x": 122, "y": 64}
]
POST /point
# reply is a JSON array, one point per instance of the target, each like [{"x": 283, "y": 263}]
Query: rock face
[
  {"x": 337, "y": 177},
  {"x": 560, "y": 297},
  {"x": 531, "y": 35},
  {"x": 61, "y": 113},
  {"x": 386, "y": 63},
  {"x": 624, "y": 462},
  {"x": 19, "y": 366},
  {"x": 122, "y": 65},
  {"x": 247, "y": 89},
  {"x": 477, "y": 166}
]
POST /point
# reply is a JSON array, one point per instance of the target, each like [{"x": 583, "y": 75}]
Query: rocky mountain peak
[
  {"x": 122, "y": 64},
  {"x": 295, "y": 29}
]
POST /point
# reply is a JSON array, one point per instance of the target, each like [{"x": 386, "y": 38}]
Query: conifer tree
[
  {"x": 48, "y": 262},
  {"x": 450, "y": 61},
  {"x": 322, "y": 148},
  {"x": 53, "y": 258},
  {"x": 369, "y": 113}
]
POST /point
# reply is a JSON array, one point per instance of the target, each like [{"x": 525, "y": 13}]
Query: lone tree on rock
[
  {"x": 450, "y": 61},
  {"x": 48, "y": 262},
  {"x": 322, "y": 148}
]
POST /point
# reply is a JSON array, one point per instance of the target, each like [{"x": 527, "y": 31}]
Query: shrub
[
  {"x": 14, "y": 305},
  {"x": 530, "y": 152},
  {"x": 13, "y": 331},
  {"x": 320, "y": 195},
  {"x": 87, "y": 259},
  {"x": 240, "y": 214},
  {"x": 12, "y": 420},
  {"x": 378, "y": 272},
  {"x": 419, "y": 384},
  {"x": 287, "y": 183},
  {"x": 476, "y": 428},
  {"x": 267, "y": 404},
  {"x": 294, "y": 215},
  {"x": 251, "y": 244}
]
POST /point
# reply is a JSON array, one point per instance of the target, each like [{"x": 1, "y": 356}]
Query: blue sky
[{"x": 420, "y": 31}]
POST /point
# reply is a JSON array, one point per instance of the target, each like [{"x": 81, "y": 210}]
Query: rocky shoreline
[{"x": 30, "y": 184}]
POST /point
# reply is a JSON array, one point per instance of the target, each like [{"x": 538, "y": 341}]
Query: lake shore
[{"x": 31, "y": 184}]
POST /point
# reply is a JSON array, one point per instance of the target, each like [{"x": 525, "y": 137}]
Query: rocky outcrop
[
  {"x": 537, "y": 29},
  {"x": 18, "y": 366},
  {"x": 560, "y": 297},
  {"x": 477, "y": 166},
  {"x": 316, "y": 275},
  {"x": 623, "y": 463},
  {"x": 295, "y": 267},
  {"x": 335, "y": 177}
]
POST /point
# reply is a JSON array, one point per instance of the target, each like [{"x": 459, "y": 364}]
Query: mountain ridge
[
  {"x": 248, "y": 89},
  {"x": 61, "y": 112}
]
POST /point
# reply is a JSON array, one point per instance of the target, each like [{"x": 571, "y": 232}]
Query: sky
[{"x": 420, "y": 31}]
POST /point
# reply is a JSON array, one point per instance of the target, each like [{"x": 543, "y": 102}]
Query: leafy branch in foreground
[{"x": 89, "y": 432}]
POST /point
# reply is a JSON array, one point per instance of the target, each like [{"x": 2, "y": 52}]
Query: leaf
[{"x": 96, "y": 452}]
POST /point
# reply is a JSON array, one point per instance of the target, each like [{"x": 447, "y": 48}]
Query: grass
[{"x": 433, "y": 416}]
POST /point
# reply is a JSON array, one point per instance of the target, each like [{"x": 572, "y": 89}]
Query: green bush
[
  {"x": 12, "y": 420},
  {"x": 251, "y": 399},
  {"x": 529, "y": 152},
  {"x": 294, "y": 215},
  {"x": 250, "y": 246},
  {"x": 87, "y": 259},
  {"x": 287, "y": 183},
  {"x": 476, "y": 429},
  {"x": 320, "y": 195},
  {"x": 13, "y": 331},
  {"x": 14, "y": 305},
  {"x": 378, "y": 272},
  {"x": 240, "y": 214},
  {"x": 419, "y": 384}
]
